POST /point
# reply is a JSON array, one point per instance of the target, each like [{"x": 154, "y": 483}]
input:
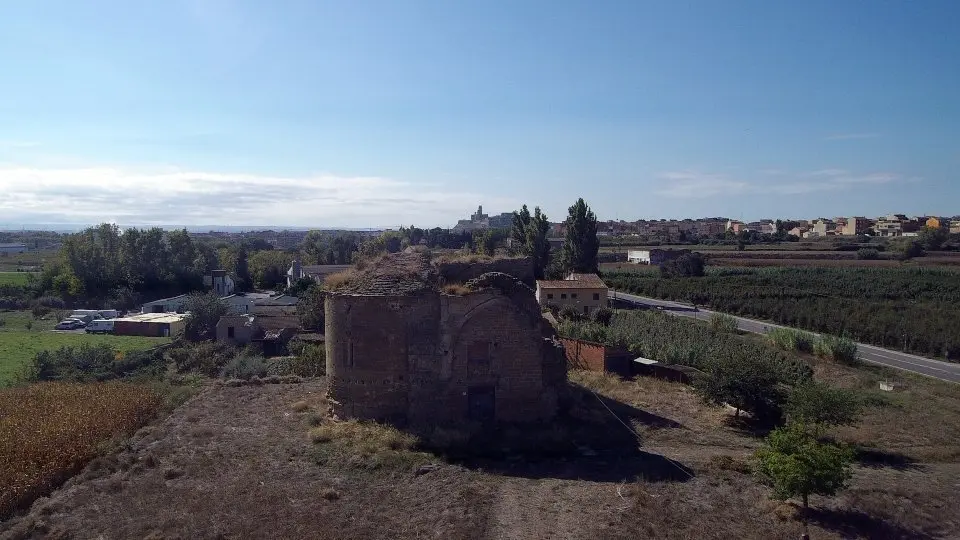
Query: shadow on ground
[
  {"x": 592, "y": 438},
  {"x": 875, "y": 458},
  {"x": 854, "y": 524}
]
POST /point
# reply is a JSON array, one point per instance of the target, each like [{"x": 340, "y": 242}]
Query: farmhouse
[
  {"x": 584, "y": 292},
  {"x": 400, "y": 348}
]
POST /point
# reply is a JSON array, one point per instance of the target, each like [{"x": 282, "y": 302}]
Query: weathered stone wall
[
  {"x": 415, "y": 358},
  {"x": 460, "y": 271}
]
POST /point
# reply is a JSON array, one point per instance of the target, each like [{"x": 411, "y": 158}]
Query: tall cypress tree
[{"x": 581, "y": 245}]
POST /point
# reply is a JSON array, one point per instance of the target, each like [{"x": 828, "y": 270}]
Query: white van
[{"x": 100, "y": 326}]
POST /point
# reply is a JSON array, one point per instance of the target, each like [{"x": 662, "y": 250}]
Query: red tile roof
[{"x": 578, "y": 281}]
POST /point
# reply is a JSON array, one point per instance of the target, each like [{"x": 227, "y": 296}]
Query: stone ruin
[{"x": 402, "y": 350}]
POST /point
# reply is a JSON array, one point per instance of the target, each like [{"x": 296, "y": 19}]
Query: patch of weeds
[
  {"x": 314, "y": 419},
  {"x": 171, "y": 473},
  {"x": 366, "y": 445},
  {"x": 300, "y": 406},
  {"x": 330, "y": 494},
  {"x": 730, "y": 463}
]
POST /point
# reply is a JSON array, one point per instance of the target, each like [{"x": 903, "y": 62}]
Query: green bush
[
  {"x": 244, "y": 367},
  {"x": 206, "y": 357},
  {"x": 789, "y": 339},
  {"x": 570, "y": 313},
  {"x": 723, "y": 323},
  {"x": 820, "y": 404},
  {"x": 87, "y": 363},
  {"x": 310, "y": 361},
  {"x": 603, "y": 316},
  {"x": 838, "y": 349},
  {"x": 868, "y": 254}
]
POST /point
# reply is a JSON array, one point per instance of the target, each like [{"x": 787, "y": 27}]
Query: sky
[{"x": 377, "y": 113}]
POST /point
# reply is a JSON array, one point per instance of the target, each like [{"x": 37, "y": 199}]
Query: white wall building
[{"x": 13, "y": 248}]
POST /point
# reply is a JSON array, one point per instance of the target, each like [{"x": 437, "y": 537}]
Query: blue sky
[{"x": 377, "y": 113}]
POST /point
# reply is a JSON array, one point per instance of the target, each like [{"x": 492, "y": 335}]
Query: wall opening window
[{"x": 230, "y": 332}]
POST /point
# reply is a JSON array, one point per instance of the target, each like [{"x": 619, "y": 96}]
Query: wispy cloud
[
  {"x": 174, "y": 196},
  {"x": 18, "y": 144},
  {"x": 692, "y": 184},
  {"x": 850, "y": 136}
]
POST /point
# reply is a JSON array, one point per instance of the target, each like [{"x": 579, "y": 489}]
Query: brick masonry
[{"x": 415, "y": 358}]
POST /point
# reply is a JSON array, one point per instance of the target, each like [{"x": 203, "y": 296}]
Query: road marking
[{"x": 911, "y": 363}]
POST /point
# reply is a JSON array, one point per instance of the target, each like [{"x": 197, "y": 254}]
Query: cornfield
[{"x": 49, "y": 431}]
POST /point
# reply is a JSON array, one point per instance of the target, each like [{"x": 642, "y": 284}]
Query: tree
[
  {"x": 205, "y": 311},
  {"x": 686, "y": 265},
  {"x": 795, "y": 464},
  {"x": 484, "y": 242},
  {"x": 750, "y": 385},
  {"x": 518, "y": 232},
  {"x": 537, "y": 244},
  {"x": 868, "y": 254},
  {"x": 244, "y": 281},
  {"x": 909, "y": 250},
  {"x": 310, "y": 309},
  {"x": 269, "y": 268},
  {"x": 933, "y": 238},
  {"x": 819, "y": 405},
  {"x": 581, "y": 245}
]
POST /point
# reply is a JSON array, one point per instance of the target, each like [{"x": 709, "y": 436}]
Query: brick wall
[
  {"x": 584, "y": 354},
  {"x": 415, "y": 358}
]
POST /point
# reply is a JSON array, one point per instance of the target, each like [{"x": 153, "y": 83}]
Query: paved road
[{"x": 908, "y": 362}]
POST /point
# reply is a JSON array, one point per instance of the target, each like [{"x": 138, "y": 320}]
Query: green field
[
  {"x": 18, "y": 344},
  {"x": 14, "y": 278}
]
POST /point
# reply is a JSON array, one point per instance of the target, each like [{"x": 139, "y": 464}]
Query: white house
[
  {"x": 654, "y": 256},
  {"x": 220, "y": 282},
  {"x": 315, "y": 272},
  {"x": 13, "y": 248}
]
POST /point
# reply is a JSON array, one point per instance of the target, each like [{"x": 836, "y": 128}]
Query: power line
[{"x": 637, "y": 435}]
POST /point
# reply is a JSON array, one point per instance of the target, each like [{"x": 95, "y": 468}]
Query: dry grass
[
  {"x": 300, "y": 406},
  {"x": 255, "y": 474},
  {"x": 49, "y": 431},
  {"x": 340, "y": 280},
  {"x": 456, "y": 289},
  {"x": 365, "y": 445}
]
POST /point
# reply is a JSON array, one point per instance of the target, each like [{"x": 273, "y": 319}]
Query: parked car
[
  {"x": 100, "y": 326},
  {"x": 69, "y": 324}
]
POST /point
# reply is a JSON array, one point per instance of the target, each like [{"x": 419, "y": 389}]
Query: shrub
[
  {"x": 456, "y": 289},
  {"x": 603, "y": 316},
  {"x": 789, "y": 339},
  {"x": 837, "y": 349},
  {"x": 52, "y": 302},
  {"x": 820, "y": 404},
  {"x": 365, "y": 445},
  {"x": 94, "y": 363},
  {"x": 868, "y": 254},
  {"x": 206, "y": 358},
  {"x": 570, "y": 313},
  {"x": 244, "y": 367},
  {"x": 39, "y": 310},
  {"x": 723, "y": 323},
  {"x": 751, "y": 386},
  {"x": 687, "y": 265}
]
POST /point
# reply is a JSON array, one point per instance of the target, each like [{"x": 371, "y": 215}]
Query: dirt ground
[{"x": 237, "y": 462}]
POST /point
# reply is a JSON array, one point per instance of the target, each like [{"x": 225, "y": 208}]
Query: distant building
[
  {"x": 890, "y": 226},
  {"x": 584, "y": 292},
  {"x": 174, "y": 304},
  {"x": 481, "y": 221},
  {"x": 220, "y": 282},
  {"x": 315, "y": 272},
  {"x": 13, "y": 248},
  {"x": 150, "y": 325},
  {"x": 856, "y": 226},
  {"x": 823, "y": 227},
  {"x": 654, "y": 256},
  {"x": 955, "y": 226}
]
